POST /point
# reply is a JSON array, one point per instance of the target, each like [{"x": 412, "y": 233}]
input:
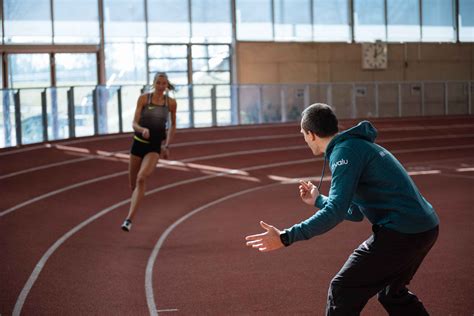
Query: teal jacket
[{"x": 367, "y": 180}]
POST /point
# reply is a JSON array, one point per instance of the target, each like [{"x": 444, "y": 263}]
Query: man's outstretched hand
[{"x": 267, "y": 241}]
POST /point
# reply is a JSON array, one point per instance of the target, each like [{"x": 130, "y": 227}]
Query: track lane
[{"x": 318, "y": 169}]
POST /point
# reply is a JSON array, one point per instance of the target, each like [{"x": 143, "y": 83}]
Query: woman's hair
[
  {"x": 320, "y": 119},
  {"x": 164, "y": 75}
]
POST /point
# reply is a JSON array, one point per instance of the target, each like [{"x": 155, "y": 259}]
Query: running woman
[{"x": 150, "y": 123}]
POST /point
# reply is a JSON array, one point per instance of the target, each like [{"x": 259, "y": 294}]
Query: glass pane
[
  {"x": 76, "y": 21},
  {"x": 466, "y": 20},
  {"x": 223, "y": 118},
  {"x": 331, "y": 20},
  {"x": 124, "y": 20},
  {"x": 438, "y": 21},
  {"x": 202, "y": 119},
  {"x": 369, "y": 20},
  {"x": 130, "y": 96},
  {"x": 29, "y": 70},
  {"x": 211, "y": 21},
  {"x": 125, "y": 63},
  {"x": 172, "y": 59},
  {"x": 403, "y": 20},
  {"x": 162, "y": 51},
  {"x": 31, "y": 118},
  {"x": 76, "y": 69},
  {"x": 254, "y": 20},
  {"x": 7, "y": 119},
  {"x": 165, "y": 65},
  {"x": 58, "y": 123},
  {"x": 211, "y": 77},
  {"x": 291, "y": 24},
  {"x": 210, "y": 51},
  {"x": 210, "y": 64},
  {"x": 180, "y": 78},
  {"x": 83, "y": 111},
  {"x": 27, "y": 21},
  {"x": 168, "y": 21}
]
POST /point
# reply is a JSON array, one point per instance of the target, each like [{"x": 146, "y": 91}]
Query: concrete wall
[{"x": 268, "y": 62}]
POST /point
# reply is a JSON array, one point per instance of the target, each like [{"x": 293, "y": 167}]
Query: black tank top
[{"x": 155, "y": 118}]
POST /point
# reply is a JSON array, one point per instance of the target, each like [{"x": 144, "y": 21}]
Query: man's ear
[{"x": 313, "y": 135}]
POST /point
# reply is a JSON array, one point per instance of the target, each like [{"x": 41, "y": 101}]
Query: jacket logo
[{"x": 339, "y": 163}]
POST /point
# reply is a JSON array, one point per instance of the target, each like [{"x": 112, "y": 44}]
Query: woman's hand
[
  {"x": 165, "y": 152},
  {"x": 146, "y": 133}
]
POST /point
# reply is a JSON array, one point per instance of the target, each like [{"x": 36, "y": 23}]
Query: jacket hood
[{"x": 364, "y": 130}]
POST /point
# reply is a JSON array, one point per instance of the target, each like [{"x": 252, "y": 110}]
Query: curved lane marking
[
  {"x": 150, "y": 298},
  {"x": 41, "y": 263}
]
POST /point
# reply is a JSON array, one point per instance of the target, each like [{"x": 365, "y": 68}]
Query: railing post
[
  {"x": 307, "y": 98},
  {"x": 329, "y": 95},
  {"x": 191, "y": 105},
  {"x": 95, "y": 109},
  {"x": 16, "y": 100},
  {"x": 119, "y": 103},
  {"x": 469, "y": 97},
  {"x": 214, "y": 105},
  {"x": 422, "y": 99},
  {"x": 446, "y": 110},
  {"x": 71, "y": 113},
  {"x": 399, "y": 100},
  {"x": 284, "y": 115},
  {"x": 260, "y": 104},
  {"x": 353, "y": 102},
  {"x": 44, "y": 115},
  {"x": 376, "y": 96},
  {"x": 6, "y": 118}
]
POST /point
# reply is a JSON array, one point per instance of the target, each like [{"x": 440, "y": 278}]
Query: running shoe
[{"x": 127, "y": 225}]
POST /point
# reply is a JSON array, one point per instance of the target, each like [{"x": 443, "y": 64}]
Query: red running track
[{"x": 62, "y": 205}]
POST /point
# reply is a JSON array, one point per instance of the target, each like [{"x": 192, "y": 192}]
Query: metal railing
[{"x": 33, "y": 115}]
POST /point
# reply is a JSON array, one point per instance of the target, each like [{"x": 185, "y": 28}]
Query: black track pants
[{"x": 384, "y": 264}]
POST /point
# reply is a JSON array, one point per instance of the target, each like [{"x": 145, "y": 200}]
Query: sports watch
[{"x": 285, "y": 239}]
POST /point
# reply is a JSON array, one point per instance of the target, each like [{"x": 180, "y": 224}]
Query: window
[
  {"x": 466, "y": 20},
  {"x": 29, "y": 70},
  {"x": 168, "y": 21},
  {"x": 211, "y": 21},
  {"x": 293, "y": 20},
  {"x": 403, "y": 20},
  {"x": 369, "y": 20},
  {"x": 27, "y": 21},
  {"x": 125, "y": 63},
  {"x": 254, "y": 20},
  {"x": 331, "y": 21},
  {"x": 76, "y": 21},
  {"x": 438, "y": 21},
  {"x": 76, "y": 69},
  {"x": 124, "y": 20},
  {"x": 172, "y": 59}
]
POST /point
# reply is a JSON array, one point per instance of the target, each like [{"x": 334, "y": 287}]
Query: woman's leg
[
  {"x": 133, "y": 168},
  {"x": 148, "y": 164}
]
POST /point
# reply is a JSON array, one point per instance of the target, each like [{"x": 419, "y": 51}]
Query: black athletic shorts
[{"x": 141, "y": 147}]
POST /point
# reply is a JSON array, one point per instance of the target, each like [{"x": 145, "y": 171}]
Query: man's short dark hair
[{"x": 320, "y": 119}]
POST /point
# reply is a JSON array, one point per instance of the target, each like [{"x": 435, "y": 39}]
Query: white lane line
[
  {"x": 39, "y": 266},
  {"x": 51, "y": 193},
  {"x": 230, "y": 171},
  {"x": 465, "y": 169},
  {"x": 386, "y": 141},
  {"x": 169, "y": 310},
  {"x": 51, "y": 165},
  {"x": 150, "y": 297}
]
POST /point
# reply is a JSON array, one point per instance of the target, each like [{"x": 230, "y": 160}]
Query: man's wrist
[{"x": 284, "y": 238}]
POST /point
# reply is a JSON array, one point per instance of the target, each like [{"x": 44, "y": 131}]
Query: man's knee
[{"x": 343, "y": 300}]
